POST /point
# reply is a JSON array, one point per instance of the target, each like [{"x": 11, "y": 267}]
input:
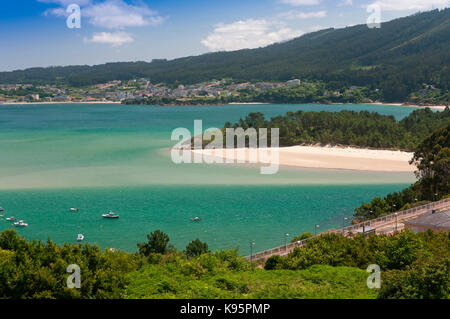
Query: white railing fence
[{"x": 374, "y": 223}]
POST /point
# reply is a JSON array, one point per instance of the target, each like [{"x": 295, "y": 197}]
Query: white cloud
[
  {"x": 291, "y": 15},
  {"x": 117, "y": 14},
  {"x": 409, "y": 5},
  {"x": 115, "y": 39},
  {"x": 251, "y": 33},
  {"x": 297, "y": 3},
  {"x": 110, "y": 14}
]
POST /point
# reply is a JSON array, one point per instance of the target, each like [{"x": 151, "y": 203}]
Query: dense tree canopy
[
  {"x": 412, "y": 265},
  {"x": 39, "y": 270},
  {"x": 432, "y": 158},
  {"x": 363, "y": 129}
]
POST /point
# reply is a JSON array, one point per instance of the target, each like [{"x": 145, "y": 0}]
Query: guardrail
[{"x": 374, "y": 223}]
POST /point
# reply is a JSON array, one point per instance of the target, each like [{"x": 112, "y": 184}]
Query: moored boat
[
  {"x": 80, "y": 237},
  {"x": 111, "y": 215},
  {"x": 20, "y": 223}
]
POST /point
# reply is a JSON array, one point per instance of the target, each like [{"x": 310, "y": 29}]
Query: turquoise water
[{"x": 99, "y": 157}]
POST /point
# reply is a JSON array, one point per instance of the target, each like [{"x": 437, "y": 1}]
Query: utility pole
[{"x": 251, "y": 251}]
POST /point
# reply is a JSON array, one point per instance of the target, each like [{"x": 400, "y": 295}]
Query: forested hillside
[{"x": 398, "y": 58}]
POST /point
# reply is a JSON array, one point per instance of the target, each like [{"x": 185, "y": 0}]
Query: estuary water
[{"x": 101, "y": 157}]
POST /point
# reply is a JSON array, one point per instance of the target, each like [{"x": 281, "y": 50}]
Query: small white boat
[
  {"x": 74, "y": 209},
  {"x": 20, "y": 223},
  {"x": 195, "y": 219},
  {"x": 1, "y": 209},
  {"x": 111, "y": 215},
  {"x": 80, "y": 237},
  {"x": 11, "y": 219}
]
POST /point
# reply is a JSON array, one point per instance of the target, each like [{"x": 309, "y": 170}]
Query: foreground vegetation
[
  {"x": 217, "y": 276},
  {"x": 38, "y": 270},
  {"x": 413, "y": 265},
  {"x": 331, "y": 266}
]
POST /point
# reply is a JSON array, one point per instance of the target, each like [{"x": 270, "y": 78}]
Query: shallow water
[{"x": 99, "y": 157}]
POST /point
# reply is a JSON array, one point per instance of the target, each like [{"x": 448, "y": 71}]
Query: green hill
[{"x": 397, "y": 58}]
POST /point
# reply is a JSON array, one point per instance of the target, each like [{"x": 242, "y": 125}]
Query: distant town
[
  {"x": 136, "y": 89},
  {"x": 143, "y": 91}
]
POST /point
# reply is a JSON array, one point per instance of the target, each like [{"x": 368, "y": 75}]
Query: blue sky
[{"x": 34, "y": 32}]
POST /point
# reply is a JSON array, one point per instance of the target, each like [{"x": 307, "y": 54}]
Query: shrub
[
  {"x": 272, "y": 262},
  {"x": 425, "y": 280},
  {"x": 158, "y": 242},
  {"x": 196, "y": 248}
]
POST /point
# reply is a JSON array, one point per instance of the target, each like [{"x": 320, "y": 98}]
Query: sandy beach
[
  {"x": 328, "y": 157},
  {"x": 433, "y": 107}
]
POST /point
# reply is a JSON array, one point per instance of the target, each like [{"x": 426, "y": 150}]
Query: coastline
[
  {"x": 435, "y": 107},
  {"x": 247, "y": 103},
  {"x": 323, "y": 157}
]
